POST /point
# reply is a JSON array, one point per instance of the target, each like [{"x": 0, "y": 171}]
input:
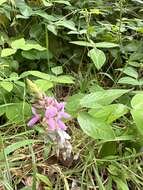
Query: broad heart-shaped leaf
[
  {"x": 137, "y": 115},
  {"x": 98, "y": 57},
  {"x": 95, "y": 128},
  {"x": 7, "y": 52},
  {"x": 8, "y": 86},
  {"x": 137, "y": 101},
  {"x": 103, "y": 97},
  {"x": 109, "y": 113}
]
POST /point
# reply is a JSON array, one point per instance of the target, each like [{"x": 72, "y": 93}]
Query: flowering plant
[{"x": 50, "y": 114}]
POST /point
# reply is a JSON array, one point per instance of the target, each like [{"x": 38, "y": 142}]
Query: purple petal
[
  {"x": 50, "y": 112},
  {"x": 64, "y": 115},
  {"x": 60, "y": 106},
  {"x": 52, "y": 124},
  {"x": 61, "y": 125},
  {"x": 33, "y": 121}
]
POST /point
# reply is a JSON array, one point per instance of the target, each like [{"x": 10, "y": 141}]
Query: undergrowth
[{"x": 71, "y": 95}]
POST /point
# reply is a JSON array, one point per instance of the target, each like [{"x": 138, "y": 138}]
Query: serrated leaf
[
  {"x": 7, "y": 52},
  {"x": 98, "y": 57},
  {"x": 95, "y": 128}
]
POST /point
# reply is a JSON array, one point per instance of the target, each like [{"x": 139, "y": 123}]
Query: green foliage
[{"x": 89, "y": 53}]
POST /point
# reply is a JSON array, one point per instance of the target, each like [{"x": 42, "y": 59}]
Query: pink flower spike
[
  {"x": 33, "y": 121},
  {"x": 52, "y": 124},
  {"x": 60, "y": 106},
  {"x": 50, "y": 112},
  {"x": 61, "y": 125}
]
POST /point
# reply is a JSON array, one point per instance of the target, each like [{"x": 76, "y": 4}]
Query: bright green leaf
[
  {"x": 101, "y": 97},
  {"x": 43, "y": 85},
  {"x": 95, "y": 128},
  {"x": 2, "y": 1},
  {"x": 137, "y": 115},
  {"x": 8, "y": 86},
  {"x": 57, "y": 70},
  {"x": 109, "y": 113},
  {"x": 98, "y": 57},
  {"x": 7, "y": 52},
  {"x": 137, "y": 101}
]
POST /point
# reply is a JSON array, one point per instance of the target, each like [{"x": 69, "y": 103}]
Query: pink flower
[
  {"x": 53, "y": 114},
  {"x": 35, "y": 119}
]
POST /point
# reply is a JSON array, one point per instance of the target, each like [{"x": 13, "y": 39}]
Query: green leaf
[
  {"x": 129, "y": 71},
  {"x": 44, "y": 15},
  {"x": 67, "y": 24},
  {"x": 106, "y": 45},
  {"x": 44, "y": 179},
  {"x": 8, "y": 86},
  {"x": 2, "y": 1},
  {"x": 82, "y": 43},
  {"x": 95, "y": 128},
  {"x": 57, "y": 70},
  {"x": 137, "y": 115},
  {"x": 18, "y": 44},
  {"x": 120, "y": 184},
  {"x": 137, "y": 101},
  {"x": 43, "y": 85},
  {"x": 18, "y": 112},
  {"x": 65, "y": 79},
  {"x": 7, "y": 52},
  {"x": 22, "y": 44},
  {"x": 97, "y": 45},
  {"x": 109, "y": 113},
  {"x": 98, "y": 57},
  {"x": 62, "y": 2},
  {"x": 73, "y": 104},
  {"x": 102, "y": 98},
  {"x": 129, "y": 80}
]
